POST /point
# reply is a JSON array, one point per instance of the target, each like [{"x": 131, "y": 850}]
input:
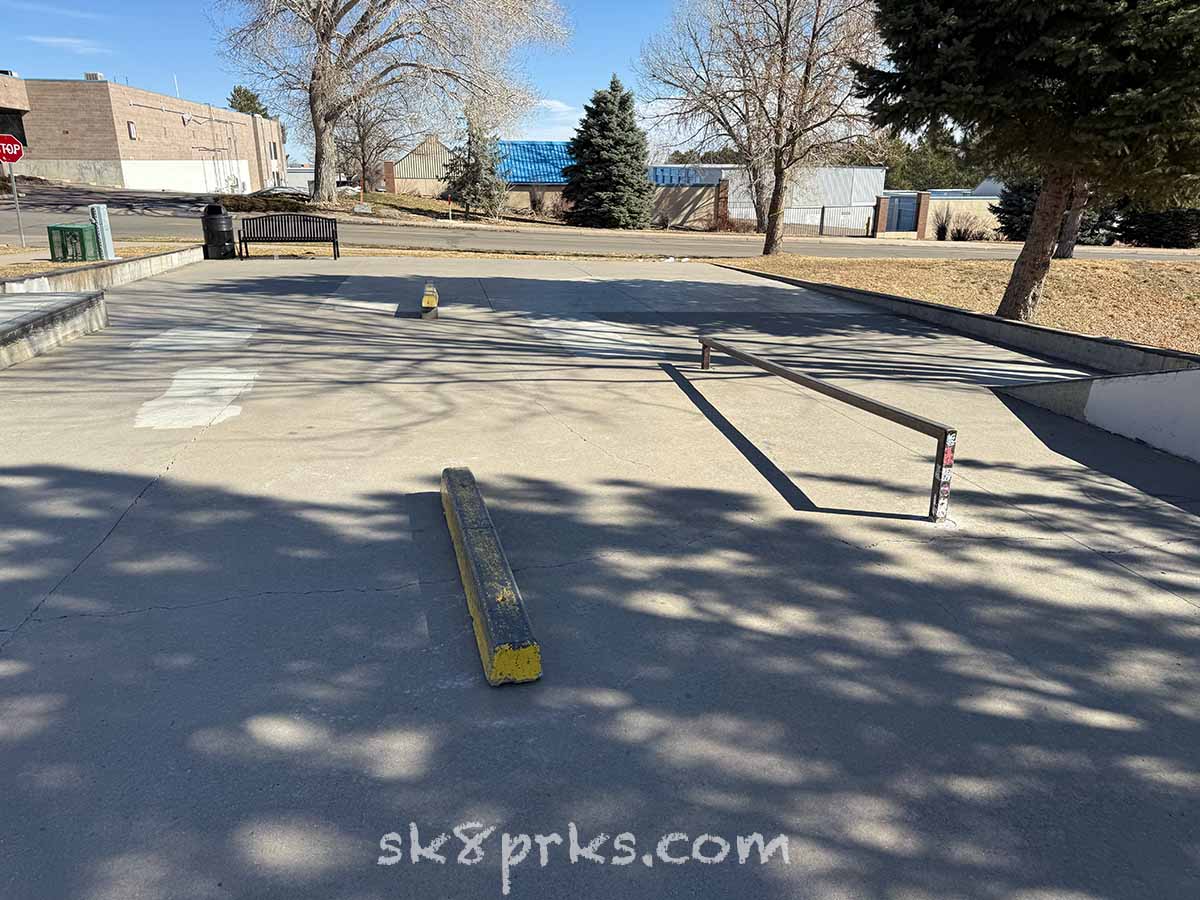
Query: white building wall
[{"x": 200, "y": 176}]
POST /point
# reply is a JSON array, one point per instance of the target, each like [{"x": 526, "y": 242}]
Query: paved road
[
  {"x": 137, "y": 214},
  {"x": 234, "y": 651}
]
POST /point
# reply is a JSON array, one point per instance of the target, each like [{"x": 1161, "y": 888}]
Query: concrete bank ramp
[{"x": 1160, "y": 409}]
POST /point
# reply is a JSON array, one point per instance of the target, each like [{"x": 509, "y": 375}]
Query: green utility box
[{"x": 73, "y": 243}]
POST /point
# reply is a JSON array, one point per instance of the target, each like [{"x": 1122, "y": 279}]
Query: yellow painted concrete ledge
[{"x": 507, "y": 647}]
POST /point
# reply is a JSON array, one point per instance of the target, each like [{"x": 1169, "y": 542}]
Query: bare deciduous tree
[
  {"x": 328, "y": 55},
  {"x": 371, "y": 130},
  {"x": 772, "y": 78}
]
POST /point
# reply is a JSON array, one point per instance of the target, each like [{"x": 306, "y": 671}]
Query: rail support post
[
  {"x": 943, "y": 471},
  {"x": 946, "y": 436}
]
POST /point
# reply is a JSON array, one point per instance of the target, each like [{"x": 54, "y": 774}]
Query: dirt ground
[{"x": 1150, "y": 302}]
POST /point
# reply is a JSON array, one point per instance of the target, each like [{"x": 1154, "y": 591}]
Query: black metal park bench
[{"x": 287, "y": 228}]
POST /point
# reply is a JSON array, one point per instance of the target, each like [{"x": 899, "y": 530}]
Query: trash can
[
  {"x": 73, "y": 243},
  {"x": 218, "y": 232}
]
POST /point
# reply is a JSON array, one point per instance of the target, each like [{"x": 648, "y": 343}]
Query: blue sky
[{"x": 152, "y": 43}]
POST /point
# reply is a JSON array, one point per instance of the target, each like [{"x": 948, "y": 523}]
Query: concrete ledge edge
[
  {"x": 98, "y": 276},
  {"x": 1102, "y": 354}
]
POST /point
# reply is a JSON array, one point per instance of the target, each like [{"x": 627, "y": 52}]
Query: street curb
[
  {"x": 507, "y": 648},
  {"x": 1102, "y": 354}
]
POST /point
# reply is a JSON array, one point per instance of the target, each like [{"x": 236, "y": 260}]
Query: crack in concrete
[
  {"x": 587, "y": 440},
  {"x": 13, "y": 632},
  {"x": 949, "y": 538},
  {"x": 561, "y": 565},
  {"x": 232, "y": 598},
  {"x": 486, "y": 295}
]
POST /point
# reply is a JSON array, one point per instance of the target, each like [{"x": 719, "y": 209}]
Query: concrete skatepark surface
[{"x": 234, "y": 649}]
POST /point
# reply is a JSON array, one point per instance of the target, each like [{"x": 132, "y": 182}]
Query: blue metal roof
[{"x": 534, "y": 162}]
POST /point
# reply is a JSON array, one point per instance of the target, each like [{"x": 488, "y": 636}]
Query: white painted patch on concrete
[
  {"x": 197, "y": 397},
  {"x": 365, "y": 297},
  {"x": 204, "y": 338},
  {"x": 594, "y": 337},
  {"x": 1162, "y": 410}
]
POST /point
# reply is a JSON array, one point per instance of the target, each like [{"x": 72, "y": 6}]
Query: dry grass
[
  {"x": 44, "y": 266},
  {"x": 427, "y": 207},
  {"x": 6, "y": 249},
  {"x": 1150, "y": 302}
]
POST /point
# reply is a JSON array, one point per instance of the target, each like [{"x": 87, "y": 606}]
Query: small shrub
[
  {"x": 942, "y": 216},
  {"x": 737, "y": 226},
  {"x": 968, "y": 226},
  {"x": 558, "y": 206},
  {"x": 244, "y": 203}
]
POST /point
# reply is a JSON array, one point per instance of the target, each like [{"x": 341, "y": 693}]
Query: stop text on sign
[{"x": 11, "y": 150}]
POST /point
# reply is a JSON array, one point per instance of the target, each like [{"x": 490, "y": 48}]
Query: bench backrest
[{"x": 290, "y": 226}]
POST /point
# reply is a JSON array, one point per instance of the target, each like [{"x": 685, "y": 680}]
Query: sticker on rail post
[{"x": 942, "y": 475}]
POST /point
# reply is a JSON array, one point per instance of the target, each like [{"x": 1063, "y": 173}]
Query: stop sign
[{"x": 11, "y": 150}]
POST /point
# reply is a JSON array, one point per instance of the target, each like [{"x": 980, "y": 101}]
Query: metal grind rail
[{"x": 947, "y": 437}]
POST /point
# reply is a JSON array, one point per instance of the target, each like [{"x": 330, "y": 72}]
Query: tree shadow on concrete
[{"x": 236, "y": 695}]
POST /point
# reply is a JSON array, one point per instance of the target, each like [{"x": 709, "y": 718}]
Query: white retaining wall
[{"x": 1160, "y": 410}]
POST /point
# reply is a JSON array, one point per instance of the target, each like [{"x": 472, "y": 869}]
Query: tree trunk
[
  {"x": 1029, "y": 273},
  {"x": 324, "y": 147},
  {"x": 1070, "y": 226},
  {"x": 775, "y": 215},
  {"x": 758, "y": 193}
]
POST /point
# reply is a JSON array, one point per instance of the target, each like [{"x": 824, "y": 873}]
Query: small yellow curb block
[
  {"x": 507, "y": 647},
  {"x": 429, "y": 301}
]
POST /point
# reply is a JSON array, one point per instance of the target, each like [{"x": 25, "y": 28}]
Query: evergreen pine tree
[
  {"x": 246, "y": 101},
  {"x": 1014, "y": 212},
  {"x": 1084, "y": 92},
  {"x": 472, "y": 173},
  {"x": 1177, "y": 227},
  {"x": 607, "y": 184}
]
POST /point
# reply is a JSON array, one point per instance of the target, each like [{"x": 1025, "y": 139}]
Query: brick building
[{"x": 94, "y": 131}]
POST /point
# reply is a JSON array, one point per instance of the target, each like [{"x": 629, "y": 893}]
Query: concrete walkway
[{"x": 234, "y": 651}]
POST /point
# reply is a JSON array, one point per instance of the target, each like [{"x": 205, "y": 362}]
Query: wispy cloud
[
  {"x": 51, "y": 10},
  {"x": 80, "y": 46},
  {"x": 550, "y": 120}
]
